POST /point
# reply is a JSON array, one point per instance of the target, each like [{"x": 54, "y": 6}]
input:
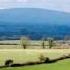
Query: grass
[
  {"x": 20, "y": 56},
  {"x": 33, "y": 44},
  {"x": 62, "y": 65},
  {"x": 16, "y": 44}
]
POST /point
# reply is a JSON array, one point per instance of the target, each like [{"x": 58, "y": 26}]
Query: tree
[
  {"x": 24, "y": 42},
  {"x": 43, "y": 43},
  {"x": 51, "y": 42}
]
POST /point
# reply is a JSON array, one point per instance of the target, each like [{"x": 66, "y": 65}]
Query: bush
[
  {"x": 42, "y": 58},
  {"x": 8, "y": 63}
]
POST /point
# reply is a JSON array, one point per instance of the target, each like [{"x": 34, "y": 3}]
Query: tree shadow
[{"x": 48, "y": 61}]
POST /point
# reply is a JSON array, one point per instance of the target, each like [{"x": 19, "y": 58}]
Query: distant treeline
[{"x": 32, "y": 37}]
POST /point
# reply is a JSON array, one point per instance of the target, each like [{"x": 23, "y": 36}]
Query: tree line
[{"x": 25, "y": 41}]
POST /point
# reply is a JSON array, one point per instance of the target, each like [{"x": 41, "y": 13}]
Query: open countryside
[{"x": 14, "y": 50}]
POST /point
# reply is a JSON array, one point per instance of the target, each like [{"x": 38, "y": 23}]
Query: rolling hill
[{"x": 33, "y": 22}]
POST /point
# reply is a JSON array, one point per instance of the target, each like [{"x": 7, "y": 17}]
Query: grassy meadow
[
  {"x": 23, "y": 56},
  {"x": 12, "y": 49},
  {"x": 62, "y": 65}
]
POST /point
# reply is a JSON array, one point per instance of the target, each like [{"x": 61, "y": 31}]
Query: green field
[
  {"x": 62, "y": 65},
  {"x": 22, "y": 56}
]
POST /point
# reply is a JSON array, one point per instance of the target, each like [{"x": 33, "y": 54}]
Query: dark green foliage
[{"x": 8, "y": 63}]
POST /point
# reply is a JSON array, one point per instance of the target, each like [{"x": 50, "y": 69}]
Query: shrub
[
  {"x": 8, "y": 63},
  {"x": 42, "y": 58}
]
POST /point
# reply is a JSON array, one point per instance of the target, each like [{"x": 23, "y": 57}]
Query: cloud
[{"x": 22, "y": 1}]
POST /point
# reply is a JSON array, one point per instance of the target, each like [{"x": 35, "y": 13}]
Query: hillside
[{"x": 33, "y": 22}]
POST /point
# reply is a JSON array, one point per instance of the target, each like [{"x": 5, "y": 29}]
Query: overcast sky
[{"x": 59, "y": 5}]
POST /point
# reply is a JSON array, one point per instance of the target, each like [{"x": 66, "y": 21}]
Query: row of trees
[{"x": 25, "y": 41}]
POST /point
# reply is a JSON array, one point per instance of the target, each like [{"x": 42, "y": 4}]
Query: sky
[{"x": 59, "y": 5}]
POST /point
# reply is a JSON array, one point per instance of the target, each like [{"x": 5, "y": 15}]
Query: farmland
[
  {"x": 23, "y": 56},
  {"x": 33, "y": 44},
  {"x": 12, "y": 49}
]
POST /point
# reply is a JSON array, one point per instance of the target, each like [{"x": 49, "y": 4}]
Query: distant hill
[
  {"x": 33, "y": 22},
  {"x": 33, "y": 15}
]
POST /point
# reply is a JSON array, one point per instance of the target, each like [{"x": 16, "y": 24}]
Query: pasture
[
  {"x": 23, "y": 56},
  {"x": 33, "y": 44},
  {"x": 12, "y": 49},
  {"x": 62, "y": 65}
]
